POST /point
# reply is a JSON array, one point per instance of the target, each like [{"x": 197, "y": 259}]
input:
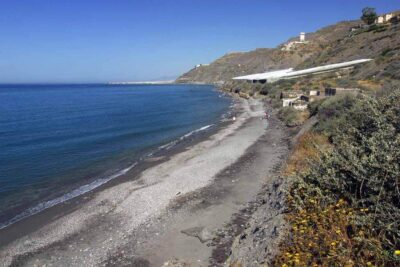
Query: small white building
[
  {"x": 295, "y": 99},
  {"x": 314, "y": 92},
  {"x": 286, "y": 102},
  {"x": 296, "y": 103},
  {"x": 302, "y": 37},
  {"x": 201, "y": 65}
]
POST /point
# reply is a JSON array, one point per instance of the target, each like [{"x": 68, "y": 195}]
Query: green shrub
[
  {"x": 289, "y": 116},
  {"x": 386, "y": 51},
  {"x": 314, "y": 106},
  {"x": 266, "y": 89},
  {"x": 332, "y": 113},
  {"x": 377, "y": 28},
  {"x": 363, "y": 168}
]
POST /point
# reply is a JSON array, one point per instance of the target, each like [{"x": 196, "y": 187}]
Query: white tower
[{"x": 302, "y": 37}]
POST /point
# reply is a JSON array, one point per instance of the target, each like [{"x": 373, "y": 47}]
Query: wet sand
[{"x": 172, "y": 209}]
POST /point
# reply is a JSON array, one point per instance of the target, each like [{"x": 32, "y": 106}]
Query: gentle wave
[
  {"x": 68, "y": 196},
  {"x": 95, "y": 184},
  {"x": 173, "y": 143}
]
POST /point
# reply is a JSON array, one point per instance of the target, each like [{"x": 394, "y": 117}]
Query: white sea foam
[
  {"x": 93, "y": 185},
  {"x": 173, "y": 143},
  {"x": 68, "y": 196},
  {"x": 197, "y": 131}
]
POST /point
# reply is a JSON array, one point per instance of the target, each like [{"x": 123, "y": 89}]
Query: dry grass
[
  {"x": 303, "y": 116},
  {"x": 307, "y": 150},
  {"x": 370, "y": 85},
  {"x": 235, "y": 264}
]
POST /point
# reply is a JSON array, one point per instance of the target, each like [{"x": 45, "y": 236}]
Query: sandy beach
[{"x": 173, "y": 209}]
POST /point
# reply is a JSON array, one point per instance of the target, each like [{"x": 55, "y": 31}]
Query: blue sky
[{"x": 115, "y": 40}]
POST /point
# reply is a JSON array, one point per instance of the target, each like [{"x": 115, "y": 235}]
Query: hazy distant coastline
[{"x": 143, "y": 82}]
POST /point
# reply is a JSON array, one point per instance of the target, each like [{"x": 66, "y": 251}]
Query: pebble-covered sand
[{"x": 105, "y": 224}]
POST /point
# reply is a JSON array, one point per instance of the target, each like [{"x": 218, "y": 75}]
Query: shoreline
[
  {"x": 88, "y": 185},
  {"x": 152, "y": 158},
  {"x": 154, "y": 154},
  {"x": 103, "y": 221},
  {"x": 201, "y": 227}
]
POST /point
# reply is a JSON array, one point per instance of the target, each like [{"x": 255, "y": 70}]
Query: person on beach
[{"x": 266, "y": 118}]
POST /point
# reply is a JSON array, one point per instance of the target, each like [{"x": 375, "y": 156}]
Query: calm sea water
[{"x": 59, "y": 141}]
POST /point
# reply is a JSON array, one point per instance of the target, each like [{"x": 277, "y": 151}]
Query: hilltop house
[
  {"x": 291, "y": 45},
  {"x": 384, "y": 18},
  {"x": 388, "y": 18},
  {"x": 201, "y": 65}
]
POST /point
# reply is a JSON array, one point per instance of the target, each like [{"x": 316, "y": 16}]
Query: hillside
[
  {"x": 235, "y": 64},
  {"x": 332, "y": 44},
  {"x": 339, "y": 186}
]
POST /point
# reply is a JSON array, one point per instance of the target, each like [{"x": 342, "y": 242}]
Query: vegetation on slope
[
  {"x": 265, "y": 59},
  {"x": 345, "y": 201},
  {"x": 336, "y": 43},
  {"x": 236, "y": 64}
]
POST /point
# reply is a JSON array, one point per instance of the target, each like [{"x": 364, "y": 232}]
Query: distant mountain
[{"x": 336, "y": 43}]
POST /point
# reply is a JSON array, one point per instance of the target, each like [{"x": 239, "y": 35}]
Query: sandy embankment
[{"x": 116, "y": 221}]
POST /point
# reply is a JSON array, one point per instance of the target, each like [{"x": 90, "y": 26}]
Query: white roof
[
  {"x": 290, "y": 73},
  {"x": 265, "y": 75}
]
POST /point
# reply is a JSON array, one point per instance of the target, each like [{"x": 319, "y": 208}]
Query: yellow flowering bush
[{"x": 344, "y": 207}]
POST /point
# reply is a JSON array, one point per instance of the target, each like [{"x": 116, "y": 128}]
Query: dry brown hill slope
[
  {"x": 235, "y": 64},
  {"x": 332, "y": 44}
]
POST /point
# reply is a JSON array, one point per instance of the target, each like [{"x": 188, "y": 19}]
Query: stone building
[
  {"x": 291, "y": 94},
  {"x": 299, "y": 104},
  {"x": 294, "y": 99},
  {"x": 330, "y": 91}
]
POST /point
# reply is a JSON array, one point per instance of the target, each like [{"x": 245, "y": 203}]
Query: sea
[{"x": 58, "y": 142}]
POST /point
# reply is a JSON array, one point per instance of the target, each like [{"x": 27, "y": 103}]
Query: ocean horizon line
[{"x": 83, "y": 83}]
